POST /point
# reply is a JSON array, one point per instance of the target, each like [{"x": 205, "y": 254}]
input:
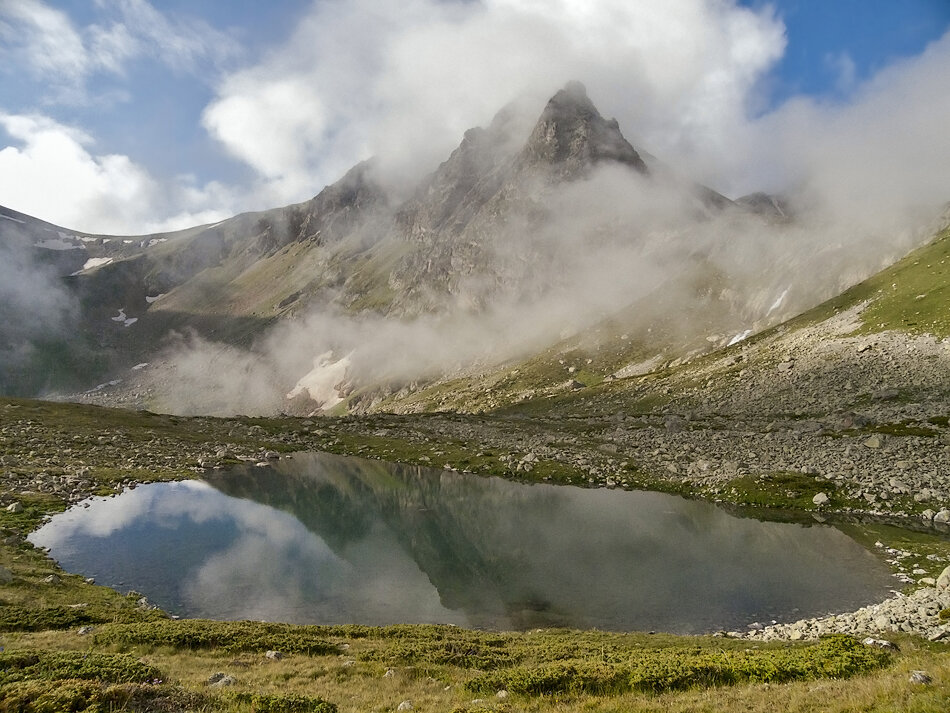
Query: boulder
[
  {"x": 821, "y": 499},
  {"x": 15, "y": 508},
  {"x": 942, "y": 517},
  {"x": 943, "y": 581},
  {"x": 404, "y": 706},
  {"x": 6, "y": 576}
]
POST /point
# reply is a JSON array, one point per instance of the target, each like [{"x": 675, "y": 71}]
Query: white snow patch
[
  {"x": 96, "y": 262},
  {"x": 87, "y": 239},
  {"x": 126, "y": 321},
  {"x": 139, "y": 367},
  {"x": 739, "y": 337},
  {"x": 778, "y": 302},
  {"x": 150, "y": 298},
  {"x": 156, "y": 241},
  {"x": 321, "y": 382},
  {"x": 127, "y": 242},
  {"x": 57, "y": 244},
  {"x": 10, "y": 217}
]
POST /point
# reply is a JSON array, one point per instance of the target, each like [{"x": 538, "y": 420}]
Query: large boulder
[{"x": 943, "y": 581}]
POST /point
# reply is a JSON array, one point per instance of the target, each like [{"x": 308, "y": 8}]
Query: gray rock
[
  {"x": 404, "y": 706},
  {"x": 52, "y": 579},
  {"x": 6, "y": 576},
  {"x": 274, "y": 655},
  {"x": 221, "y": 679},
  {"x": 15, "y": 507},
  {"x": 820, "y": 499},
  {"x": 881, "y": 644},
  {"x": 502, "y": 694},
  {"x": 85, "y": 630},
  {"x": 927, "y": 515},
  {"x": 875, "y": 441},
  {"x": 920, "y": 677},
  {"x": 943, "y": 581},
  {"x": 942, "y": 517}
]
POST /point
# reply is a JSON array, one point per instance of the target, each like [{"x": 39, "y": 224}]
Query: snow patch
[
  {"x": 126, "y": 321},
  {"x": 778, "y": 302},
  {"x": 15, "y": 220},
  {"x": 96, "y": 262},
  {"x": 150, "y": 298},
  {"x": 155, "y": 241},
  {"x": 127, "y": 242},
  {"x": 739, "y": 337},
  {"x": 322, "y": 382},
  {"x": 57, "y": 244}
]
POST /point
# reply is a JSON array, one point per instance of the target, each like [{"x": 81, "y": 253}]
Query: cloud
[
  {"x": 43, "y": 40},
  {"x": 46, "y": 43},
  {"x": 106, "y": 193},
  {"x": 360, "y": 78}
]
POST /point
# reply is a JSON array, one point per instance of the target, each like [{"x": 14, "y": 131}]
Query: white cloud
[
  {"x": 53, "y": 175},
  {"x": 404, "y": 82},
  {"x": 44, "y": 42},
  {"x": 183, "y": 44}
]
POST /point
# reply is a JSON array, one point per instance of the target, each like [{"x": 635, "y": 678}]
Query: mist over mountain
[{"x": 539, "y": 230}]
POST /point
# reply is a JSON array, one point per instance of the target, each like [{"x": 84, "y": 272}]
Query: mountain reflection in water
[{"x": 329, "y": 539}]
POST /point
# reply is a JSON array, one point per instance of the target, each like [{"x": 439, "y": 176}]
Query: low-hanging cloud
[{"x": 404, "y": 82}]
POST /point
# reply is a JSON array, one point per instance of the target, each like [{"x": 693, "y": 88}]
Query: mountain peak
[{"x": 572, "y": 134}]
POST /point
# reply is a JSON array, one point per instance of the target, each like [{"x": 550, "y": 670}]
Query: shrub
[
  {"x": 230, "y": 636},
  {"x": 26, "y": 665},
  {"x": 269, "y": 703},
  {"x": 661, "y": 671}
]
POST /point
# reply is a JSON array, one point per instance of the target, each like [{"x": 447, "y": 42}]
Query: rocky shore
[{"x": 924, "y": 612}]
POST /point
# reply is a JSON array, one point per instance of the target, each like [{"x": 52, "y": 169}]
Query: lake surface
[{"x": 327, "y": 539}]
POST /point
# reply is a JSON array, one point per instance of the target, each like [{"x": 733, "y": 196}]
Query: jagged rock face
[
  {"x": 471, "y": 225},
  {"x": 571, "y": 136}
]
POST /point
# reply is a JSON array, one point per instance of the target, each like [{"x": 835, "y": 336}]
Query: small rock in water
[{"x": 921, "y": 677}]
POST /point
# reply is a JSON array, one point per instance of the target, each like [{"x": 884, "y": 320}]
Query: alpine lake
[{"x": 324, "y": 539}]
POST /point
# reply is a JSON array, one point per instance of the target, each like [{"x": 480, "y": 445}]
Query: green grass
[
  {"x": 227, "y": 636},
  {"x": 659, "y": 672},
  {"x": 786, "y": 490}
]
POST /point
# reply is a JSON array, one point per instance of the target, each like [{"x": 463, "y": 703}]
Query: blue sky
[{"x": 128, "y": 116}]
